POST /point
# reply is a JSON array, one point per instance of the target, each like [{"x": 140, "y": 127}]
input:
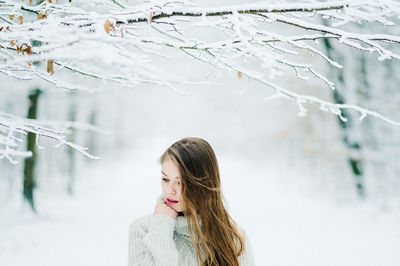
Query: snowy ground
[{"x": 286, "y": 227}]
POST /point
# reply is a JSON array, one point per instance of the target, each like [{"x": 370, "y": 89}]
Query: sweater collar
[{"x": 181, "y": 226}]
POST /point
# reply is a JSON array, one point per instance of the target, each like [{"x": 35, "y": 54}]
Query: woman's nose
[{"x": 172, "y": 190}]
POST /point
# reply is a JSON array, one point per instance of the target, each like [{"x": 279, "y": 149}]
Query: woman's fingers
[{"x": 162, "y": 208}]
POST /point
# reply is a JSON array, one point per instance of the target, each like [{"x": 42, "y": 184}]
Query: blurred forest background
[{"x": 312, "y": 186}]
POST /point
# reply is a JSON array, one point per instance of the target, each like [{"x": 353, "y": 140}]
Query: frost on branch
[
  {"x": 114, "y": 42},
  {"x": 14, "y": 129}
]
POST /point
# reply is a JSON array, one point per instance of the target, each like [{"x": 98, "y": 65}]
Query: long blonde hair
[{"x": 214, "y": 233}]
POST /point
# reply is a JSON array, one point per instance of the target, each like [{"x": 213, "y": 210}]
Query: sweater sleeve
[
  {"x": 154, "y": 246},
  {"x": 247, "y": 258}
]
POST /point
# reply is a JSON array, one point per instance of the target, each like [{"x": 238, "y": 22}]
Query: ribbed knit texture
[{"x": 161, "y": 240}]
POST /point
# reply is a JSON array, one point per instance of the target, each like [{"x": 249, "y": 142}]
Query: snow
[
  {"x": 286, "y": 223},
  {"x": 294, "y": 215}
]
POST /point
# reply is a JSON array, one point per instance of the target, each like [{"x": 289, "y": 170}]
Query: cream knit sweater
[{"x": 161, "y": 240}]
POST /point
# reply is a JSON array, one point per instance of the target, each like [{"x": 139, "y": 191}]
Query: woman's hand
[{"x": 164, "y": 209}]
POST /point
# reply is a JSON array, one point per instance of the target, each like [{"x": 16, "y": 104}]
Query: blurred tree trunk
[
  {"x": 30, "y": 162},
  {"x": 72, "y": 115},
  {"x": 349, "y": 140},
  {"x": 91, "y": 141}
]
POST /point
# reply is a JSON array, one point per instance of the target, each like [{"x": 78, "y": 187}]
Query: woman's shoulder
[
  {"x": 241, "y": 231},
  {"x": 246, "y": 257}
]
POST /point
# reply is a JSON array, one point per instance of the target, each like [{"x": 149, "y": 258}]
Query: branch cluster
[{"x": 115, "y": 42}]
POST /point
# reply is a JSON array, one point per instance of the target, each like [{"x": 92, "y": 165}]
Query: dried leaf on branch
[
  {"x": 109, "y": 26},
  {"x": 50, "y": 67}
]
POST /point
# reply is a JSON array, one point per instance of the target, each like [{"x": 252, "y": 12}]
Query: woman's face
[{"x": 171, "y": 184}]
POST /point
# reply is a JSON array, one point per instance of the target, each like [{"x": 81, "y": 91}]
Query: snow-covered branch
[
  {"x": 115, "y": 42},
  {"x": 13, "y": 129}
]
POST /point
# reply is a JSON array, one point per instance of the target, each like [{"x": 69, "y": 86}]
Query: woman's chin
[{"x": 176, "y": 209}]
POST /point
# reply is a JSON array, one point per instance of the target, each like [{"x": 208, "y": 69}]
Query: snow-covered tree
[
  {"x": 116, "y": 41},
  {"x": 372, "y": 146}
]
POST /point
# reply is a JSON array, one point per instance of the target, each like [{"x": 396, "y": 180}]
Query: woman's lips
[{"x": 171, "y": 202}]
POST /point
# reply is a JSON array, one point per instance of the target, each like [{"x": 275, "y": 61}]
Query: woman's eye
[{"x": 165, "y": 179}]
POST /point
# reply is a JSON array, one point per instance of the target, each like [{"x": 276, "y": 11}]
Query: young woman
[{"x": 190, "y": 225}]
